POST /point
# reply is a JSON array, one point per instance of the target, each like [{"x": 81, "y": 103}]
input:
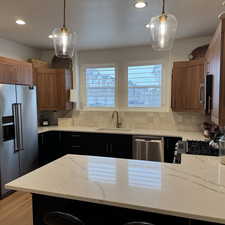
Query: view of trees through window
[
  {"x": 144, "y": 86},
  {"x": 100, "y": 87}
]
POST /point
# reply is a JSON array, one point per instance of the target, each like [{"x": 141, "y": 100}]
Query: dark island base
[{"x": 98, "y": 214}]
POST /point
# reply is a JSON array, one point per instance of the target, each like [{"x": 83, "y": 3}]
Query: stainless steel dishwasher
[{"x": 148, "y": 148}]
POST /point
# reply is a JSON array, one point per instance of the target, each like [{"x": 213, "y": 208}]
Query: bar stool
[
  {"x": 138, "y": 223},
  {"x": 61, "y": 218}
]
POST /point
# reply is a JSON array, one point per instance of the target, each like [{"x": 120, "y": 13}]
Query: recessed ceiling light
[
  {"x": 50, "y": 36},
  {"x": 20, "y": 22},
  {"x": 140, "y": 4}
]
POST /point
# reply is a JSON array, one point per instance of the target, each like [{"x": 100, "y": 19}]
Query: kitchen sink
[{"x": 113, "y": 129}]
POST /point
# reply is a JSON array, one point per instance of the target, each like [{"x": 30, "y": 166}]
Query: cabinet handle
[
  {"x": 42, "y": 139},
  {"x": 75, "y": 146},
  {"x": 201, "y": 100},
  {"x": 209, "y": 104},
  {"x": 75, "y": 135}
]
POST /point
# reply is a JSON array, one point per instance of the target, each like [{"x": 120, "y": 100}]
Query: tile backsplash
[{"x": 135, "y": 120}]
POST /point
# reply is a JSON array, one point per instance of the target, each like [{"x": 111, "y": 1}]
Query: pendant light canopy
[
  {"x": 163, "y": 30},
  {"x": 64, "y": 39}
]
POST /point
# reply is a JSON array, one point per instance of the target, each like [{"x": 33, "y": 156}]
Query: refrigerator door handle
[
  {"x": 17, "y": 113},
  {"x": 16, "y": 127},
  {"x": 20, "y": 122}
]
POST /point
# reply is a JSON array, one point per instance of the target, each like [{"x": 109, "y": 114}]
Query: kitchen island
[{"x": 114, "y": 191}]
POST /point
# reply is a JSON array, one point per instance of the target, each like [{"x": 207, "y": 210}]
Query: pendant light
[
  {"x": 63, "y": 39},
  {"x": 163, "y": 30}
]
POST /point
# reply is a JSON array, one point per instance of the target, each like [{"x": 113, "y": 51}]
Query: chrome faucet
[{"x": 118, "y": 123}]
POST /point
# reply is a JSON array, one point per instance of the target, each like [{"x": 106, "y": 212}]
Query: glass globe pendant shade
[
  {"x": 163, "y": 31},
  {"x": 64, "y": 42}
]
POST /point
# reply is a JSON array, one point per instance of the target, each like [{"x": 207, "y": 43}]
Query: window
[
  {"x": 139, "y": 89},
  {"x": 100, "y": 87},
  {"x": 144, "y": 86}
]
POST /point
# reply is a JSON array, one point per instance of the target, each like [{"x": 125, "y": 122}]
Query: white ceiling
[{"x": 103, "y": 23}]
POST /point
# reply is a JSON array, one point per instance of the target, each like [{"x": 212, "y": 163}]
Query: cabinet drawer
[
  {"x": 75, "y": 139},
  {"x": 50, "y": 147},
  {"x": 72, "y": 138},
  {"x": 76, "y": 150},
  {"x": 72, "y": 142}
]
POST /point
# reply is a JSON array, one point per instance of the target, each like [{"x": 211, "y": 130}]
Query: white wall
[
  {"x": 14, "y": 50},
  {"x": 183, "y": 47}
]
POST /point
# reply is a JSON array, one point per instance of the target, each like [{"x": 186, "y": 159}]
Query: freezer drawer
[{"x": 148, "y": 148}]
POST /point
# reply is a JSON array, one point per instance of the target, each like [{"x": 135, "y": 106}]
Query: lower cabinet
[
  {"x": 50, "y": 147},
  {"x": 73, "y": 143},
  {"x": 120, "y": 146},
  {"x": 92, "y": 213},
  {"x": 54, "y": 144},
  {"x": 96, "y": 144}
]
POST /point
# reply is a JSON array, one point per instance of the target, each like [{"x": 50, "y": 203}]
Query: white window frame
[
  {"x": 163, "y": 107},
  {"x": 83, "y": 103}
]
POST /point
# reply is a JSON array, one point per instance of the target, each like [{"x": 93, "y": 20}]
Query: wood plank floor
[{"x": 16, "y": 209}]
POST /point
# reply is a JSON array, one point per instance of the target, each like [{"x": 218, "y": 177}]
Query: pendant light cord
[
  {"x": 163, "y": 8},
  {"x": 64, "y": 14}
]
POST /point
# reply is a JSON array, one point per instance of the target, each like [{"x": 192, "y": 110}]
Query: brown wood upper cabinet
[
  {"x": 53, "y": 86},
  {"x": 215, "y": 59},
  {"x": 188, "y": 86},
  {"x": 15, "y": 72}
]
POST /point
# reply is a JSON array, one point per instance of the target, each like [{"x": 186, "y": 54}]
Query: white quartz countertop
[
  {"x": 194, "y": 189},
  {"x": 186, "y": 135}
]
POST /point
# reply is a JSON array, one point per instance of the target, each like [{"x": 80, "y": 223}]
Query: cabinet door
[
  {"x": 179, "y": 86},
  {"x": 53, "y": 87},
  {"x": 8, "y": 73},
  {"x": 50, "y": 147},
  {"x": 188, "y": 86},
  {"x": 47, "y": 89},
  {"x": 96, "y": 144},
  {"x": 24, "y": 74},
  {"x": 213, "y": 57},
  {"x": 120, "y": 146},
  {"x": 64, "y": 84},
  {"x": 195, "y": 88},
  {"x": 15, "y": 72}
]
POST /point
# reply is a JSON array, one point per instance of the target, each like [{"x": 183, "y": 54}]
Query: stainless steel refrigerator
[{"x": 18, "y": 133}]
